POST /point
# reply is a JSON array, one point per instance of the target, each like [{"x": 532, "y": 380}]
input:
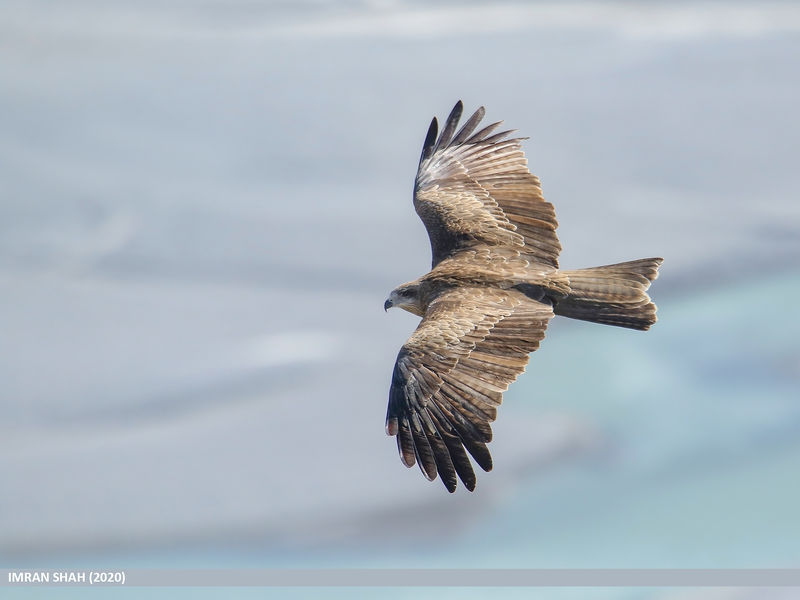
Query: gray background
[{"x": 204, "y": 205}]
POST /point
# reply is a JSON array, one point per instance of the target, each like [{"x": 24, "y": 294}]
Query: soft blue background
[{"x": 204, "y": 205}]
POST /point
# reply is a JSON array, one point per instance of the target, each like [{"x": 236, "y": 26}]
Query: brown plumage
[{"x": 494, "y": 286}]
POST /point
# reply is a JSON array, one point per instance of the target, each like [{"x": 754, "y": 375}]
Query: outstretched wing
[
  {"x": 450, "y": 376},
  {"x": 475, "y": 188}
]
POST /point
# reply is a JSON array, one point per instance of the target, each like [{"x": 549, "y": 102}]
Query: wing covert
[{"x": 450, "y": 376}]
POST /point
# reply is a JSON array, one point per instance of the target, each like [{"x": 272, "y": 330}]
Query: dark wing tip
[
  {"x": 458, "y": 463},
  {"x": 430, "y": 140},
  {"x": 480, "y": 453},
  {"x": 426, "y": 462},
  {"x": 481, "y": 135},
  {"x": 498, "y": 136},
  {"x": 468, "y": 127},
  {"x": 450, "y": 126}
]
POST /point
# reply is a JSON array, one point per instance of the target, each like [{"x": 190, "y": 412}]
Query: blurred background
[{"x": 203, "y": 206}]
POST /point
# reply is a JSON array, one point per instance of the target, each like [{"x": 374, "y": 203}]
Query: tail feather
[{"x": 612, "y": 294}]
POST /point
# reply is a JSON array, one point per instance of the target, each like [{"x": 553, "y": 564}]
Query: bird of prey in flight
[{"x": 493, "y": 287}]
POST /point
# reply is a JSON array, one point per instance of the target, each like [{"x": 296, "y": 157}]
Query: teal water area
[{"x": 702, "y": 420}]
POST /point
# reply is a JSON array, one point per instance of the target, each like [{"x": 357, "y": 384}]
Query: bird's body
[
  {"x": 485, "y": 267},
  {"x": 494, "y": 285}
]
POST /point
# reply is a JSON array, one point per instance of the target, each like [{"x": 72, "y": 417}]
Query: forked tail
[{"x": 612, "y": 294}]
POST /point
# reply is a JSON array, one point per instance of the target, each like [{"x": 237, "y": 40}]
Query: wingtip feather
[
  {"x": 468, "y": 127},
  {"x": 449, "y": 126},
  {"x": 430, "y": 139}
]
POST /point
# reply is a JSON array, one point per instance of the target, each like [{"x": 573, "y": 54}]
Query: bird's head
[{"x": 407, "y": 297}]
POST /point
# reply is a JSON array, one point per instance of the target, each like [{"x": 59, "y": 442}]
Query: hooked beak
[{"x": 387, "y": 305}]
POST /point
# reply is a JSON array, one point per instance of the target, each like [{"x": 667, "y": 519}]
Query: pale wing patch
[{"x": 474, "y": 190}]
